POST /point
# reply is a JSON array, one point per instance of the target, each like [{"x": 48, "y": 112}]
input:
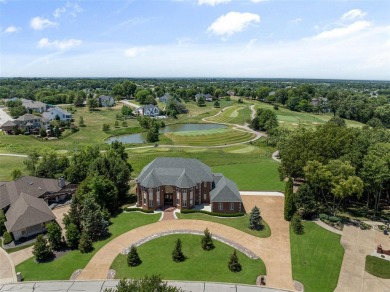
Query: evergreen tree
[
  {"x": 2, "y": 221},
  {"x": 85, "y": 244},
  {"x": 133, "y": 258},
  {"x": 72, "y": 235},
  {"x": 54, "y": 235},
  {"x": 92, "y": 220},
  {"x": 234, "y": 265},
  {"x": 289, "y": 206},
  {"x": 81, "y": 122},
  {"x": 16, "y": 173},
  {"x": 296, "y": 224},
  {"x": 177, "y": 253},
  {"x": 41, "y": 249},
  {"x": 255, "y": 219},
  {"x": 207, "y": 241}
]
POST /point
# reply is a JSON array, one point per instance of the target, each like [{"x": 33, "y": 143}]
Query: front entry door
[{"x": 168, "y": 199}]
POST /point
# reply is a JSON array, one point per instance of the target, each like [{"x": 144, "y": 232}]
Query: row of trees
[{"x": 338, "y": 165}]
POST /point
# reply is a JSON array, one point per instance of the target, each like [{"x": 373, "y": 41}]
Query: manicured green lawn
[
  {"x": 378, "y": 267},
  {"x": 316, "y": 258},
  {"x": 200, "y": 265},
  {"x": 237, "y": 114},
  {"x": 210, "y": 138},
  {"x": 253, "y": 176},
  {"x": 240, "y": 223},
  {"x": 7, "y": 164},
  {"x": 63, "y": 267}
]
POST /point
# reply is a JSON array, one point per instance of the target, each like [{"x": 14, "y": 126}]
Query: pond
[{"x": 140, "y": 138}]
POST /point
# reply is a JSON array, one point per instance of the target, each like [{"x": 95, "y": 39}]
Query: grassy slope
[
  {"x": 316, "y": 258},
  {"x": 237, "y": 114},
  {"x": 200, "y": 265},
  {"x": 7, "y": 164},
  {"x": 378, "y": 267},
  {"x": 63, "y": 267},
  {"x": 240, "y": 223},
  {"x": 254, "y": 176}
]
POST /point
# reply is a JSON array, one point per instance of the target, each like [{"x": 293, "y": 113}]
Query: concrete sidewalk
[{"x": 100, "y": 286}]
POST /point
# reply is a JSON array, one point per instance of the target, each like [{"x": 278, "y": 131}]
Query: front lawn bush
[
  {"x": 334, "y": 219},
  {"x": 323, "y": 217},
  {"x": 7, "y": 238}
]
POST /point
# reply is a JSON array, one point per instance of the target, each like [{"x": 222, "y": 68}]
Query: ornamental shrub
[
  {"x": 7, "y": 238},
  {"x": 296, "y": 224},
  {"x": 133, "y": 258},
  {"x": 207, "y": 241},
  {"x": 177, "y": 253},
  {"x": 234, "y": 264}
]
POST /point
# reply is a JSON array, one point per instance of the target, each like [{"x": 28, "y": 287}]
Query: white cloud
[
  {"x": 232, "y": 22},
  {"x": 184, "y": 41},
  {"x": 134, "y": 51},
  {"x": 57, "y": 13},
  {"x": 12, "y": 29},
  {"x": 343, "y": 31},
  {"x": 251, "y": 43},
  {"x": 40, "y": 23},
  {"x": 212, "y": 2},
  {"x": 258, "y": 1},
  {"x": 296, "y": 20},
  {"x": 60, "y": 45},
  {"x": 353, "y": 14}
]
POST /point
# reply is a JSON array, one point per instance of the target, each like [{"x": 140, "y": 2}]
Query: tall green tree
[
  {"x": 289, "y": 206},
  {"x": 72, "y": 236},
  {"x": 255, "y": 219},
  {"x": 234, "y": 264},
  {"x": 177, "y": 253},
  {"x": 146, "y": 284},
  {"x": 31, "y": 162},
  {"x": 54, "y": 235},
  {"x": 133, "y": 258},
  {"x": 41, "y": 249},
  {"x": 92, "y": 221},
  {"x": 207, "y": 241}
]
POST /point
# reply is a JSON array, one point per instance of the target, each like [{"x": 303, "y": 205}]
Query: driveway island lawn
[
  {"x": 378, "y": 267},
  {"x": 200, "y": 265},
  {"x": 63, "y": 267},
  {"x": 240, "y": 223},
  {"x": 316, "y": 258}
]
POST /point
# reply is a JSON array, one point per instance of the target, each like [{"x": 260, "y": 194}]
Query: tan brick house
[{"x": 184, "y": 183}]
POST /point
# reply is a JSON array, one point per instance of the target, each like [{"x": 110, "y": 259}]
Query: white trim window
[
  {"x": 150, "y": 202},
  {"x": 145, "y": 198},
  {"x": 191, "y": 198},
  {"x": 158, "y": 199},
  {"x": 220, "y": 206},
  {"x": 231, "y": 206},
  {"x": 205, "y": 196},
  {"x": 184, "y": 201},
  {"x": 178, "y": 198}
]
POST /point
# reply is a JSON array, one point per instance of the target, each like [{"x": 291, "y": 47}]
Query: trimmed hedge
[
  {"x": 323, "y": 217},
  {"x": 140, "y": 210},
  {"x": 213, "y": 213},
  {"x": 7, "y": 238}
]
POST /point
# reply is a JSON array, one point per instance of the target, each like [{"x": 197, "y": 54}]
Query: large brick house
[{"x": 184, "y": 183}]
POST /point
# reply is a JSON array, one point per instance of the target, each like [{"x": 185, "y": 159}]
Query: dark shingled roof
[
  {"x": 34, "y": 186},
  {"x": 27, "y": 211},
  {"x": 225, "y": 190},
  {"x": 179, "y": 172}
]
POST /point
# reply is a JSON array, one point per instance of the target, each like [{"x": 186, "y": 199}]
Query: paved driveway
[
  {"x": 358, "y": 244},
  {"x": 7, "y": 271},
  {"x": 4, "y": 116},
  {"x": 274, "y": 251}
]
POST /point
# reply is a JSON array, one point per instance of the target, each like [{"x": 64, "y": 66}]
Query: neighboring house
[
  {"x": 53, "y": 112},
  {"x": 31, "y": 123},
  {"x": 207, "y": 97},
  {"x": 149, "y": 110},
  {"x": 184, "y": 183},
  {"x": 8, "y": 126},
  {"x": 106, "y": 101},
  {"x": 164, "y": 98},
  {"x": 34, "y": 106},
  {"x": 25, "y": 202}
]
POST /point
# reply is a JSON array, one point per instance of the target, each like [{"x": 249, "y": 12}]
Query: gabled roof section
[
  {"x": 28, "y": 117},
  {"x": 151, "y": 180},
  {"x": 225, "y": 190},
  {"x": 27, "y": 211},
  {"x": 180, "y": 172}
]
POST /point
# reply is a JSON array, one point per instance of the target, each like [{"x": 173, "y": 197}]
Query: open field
[
  {"x": 63, "y": 267},
  {"x": 378, "y": 267},
  {"x": 291, "y": 119},
  {"x": 240, "y": 223},
  {"x": 237, "y": 114},
  {"x": 200, "y": 265},
  {"x": 7, "y": 164},
  {"x": 254, "y": 176},
  {"x": 316, "y": 258},
  {"x": 210, "y": 137}
]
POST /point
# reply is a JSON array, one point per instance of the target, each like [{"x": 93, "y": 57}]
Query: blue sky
[{"x": 339, "y": 39}]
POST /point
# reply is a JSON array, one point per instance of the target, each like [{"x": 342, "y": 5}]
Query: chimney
[{"x": 61, "y": 182}]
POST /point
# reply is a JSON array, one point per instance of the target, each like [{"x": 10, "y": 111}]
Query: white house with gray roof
[
  {"x": 54, "y": 112},
  {"x": 184, "y": 183}
]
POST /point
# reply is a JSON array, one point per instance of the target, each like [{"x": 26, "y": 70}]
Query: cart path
[{"x": 274, "y": 250}]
